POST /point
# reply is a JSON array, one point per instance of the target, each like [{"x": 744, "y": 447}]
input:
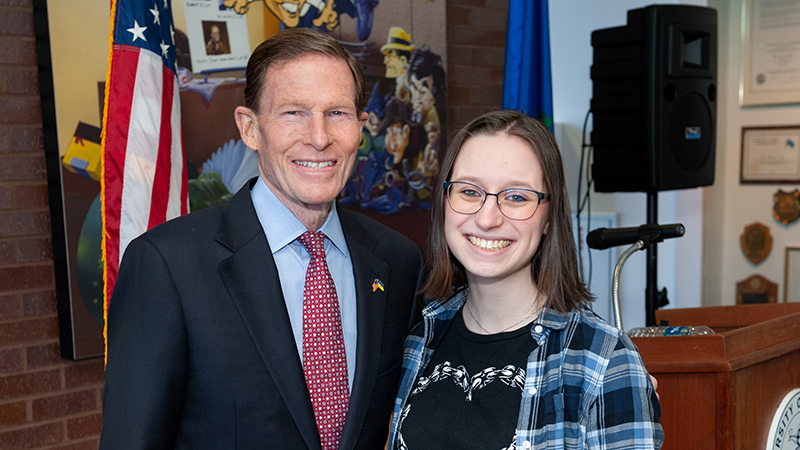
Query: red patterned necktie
[{"x": 324, "y": 360}]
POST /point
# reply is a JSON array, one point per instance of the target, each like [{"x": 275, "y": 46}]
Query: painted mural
[
  {"x": 398, "y": 158},
  {"x": 400, "y": 44}
]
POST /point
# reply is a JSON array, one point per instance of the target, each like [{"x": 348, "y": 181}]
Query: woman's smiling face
[{"x": 489, "y": 245}]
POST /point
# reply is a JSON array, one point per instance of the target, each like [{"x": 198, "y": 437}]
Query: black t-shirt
[{"x": 469, "y": 394}]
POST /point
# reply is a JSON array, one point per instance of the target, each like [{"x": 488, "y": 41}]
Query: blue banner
[{"x": 527, "y": 81}]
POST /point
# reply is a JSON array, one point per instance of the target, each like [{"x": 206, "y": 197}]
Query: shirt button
[
  {"x": 532, "y": 391},
  {"x": 526, "y": 444},
  {"x": 537, "y": 328}
]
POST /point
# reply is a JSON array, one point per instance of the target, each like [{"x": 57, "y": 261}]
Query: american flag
[{"x": 144, "y": 169}]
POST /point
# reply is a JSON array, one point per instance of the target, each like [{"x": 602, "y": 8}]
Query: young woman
[{"x": 511, "y": 357}]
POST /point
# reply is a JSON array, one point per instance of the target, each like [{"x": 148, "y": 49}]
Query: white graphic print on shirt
[{"x": 510, "y": 375}]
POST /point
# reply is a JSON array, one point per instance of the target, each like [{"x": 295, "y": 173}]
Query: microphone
[{"x": 603, "y": 238}]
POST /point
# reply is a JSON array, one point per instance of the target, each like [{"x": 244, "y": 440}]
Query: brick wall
[
  {"x": 50, "y": 403},
  {"x": 45, "y": 402},
  {"x": 476, "y": 43}
]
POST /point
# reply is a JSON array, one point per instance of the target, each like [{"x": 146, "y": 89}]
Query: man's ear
[
  {"x": 247, "y": 122},
  {"x": 362, "y": 118}
]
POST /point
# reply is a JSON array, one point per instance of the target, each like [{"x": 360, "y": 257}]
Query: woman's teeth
[{"x": 489, "y": 245}]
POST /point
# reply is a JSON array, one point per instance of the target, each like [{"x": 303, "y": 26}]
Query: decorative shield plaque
[
  {"x": 756, "y": 242},
  {"x": 787, "y": 206}
]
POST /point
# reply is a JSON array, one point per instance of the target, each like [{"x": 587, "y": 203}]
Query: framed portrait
[
  {"x": 770, "y": 72},
  {"x": 791, "y": 283}
]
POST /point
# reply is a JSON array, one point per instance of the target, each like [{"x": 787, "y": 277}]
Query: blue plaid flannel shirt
[{"x": 586, "y": 386}]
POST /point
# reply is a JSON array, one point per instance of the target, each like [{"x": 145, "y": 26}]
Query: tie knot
[{"x": 314, "y": 242}]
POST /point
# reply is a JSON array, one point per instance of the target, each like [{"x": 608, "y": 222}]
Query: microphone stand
[
  {"x": 651, "y": 290},
  {"x": 648, "y": 241},
  {"x": 648, "y": 236},
  {"x": 638, "y": 245}
]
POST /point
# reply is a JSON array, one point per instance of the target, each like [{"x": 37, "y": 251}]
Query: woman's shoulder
[
  {"x": 591, "y": 319},
  {"x": 579, "y": 318},
  {"x": 585, "y": 330}
]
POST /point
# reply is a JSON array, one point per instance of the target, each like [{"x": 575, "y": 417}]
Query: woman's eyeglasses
[{"x": 514, "y": 203}]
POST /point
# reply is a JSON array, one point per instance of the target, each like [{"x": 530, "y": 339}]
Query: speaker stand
[{"x": 651, "y": 291}]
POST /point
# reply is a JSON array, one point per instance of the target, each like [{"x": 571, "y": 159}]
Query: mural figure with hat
[
  {"x": 318, "y": 14},
  {"x": 399, "y": 158},
  {"x": 396, "y": 53}
]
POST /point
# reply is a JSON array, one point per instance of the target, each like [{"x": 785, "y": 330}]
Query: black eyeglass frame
[{"x": 541, "y": 196}]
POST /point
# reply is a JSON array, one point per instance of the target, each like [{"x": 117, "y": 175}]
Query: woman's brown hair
[{"x": 555, "y": 264}]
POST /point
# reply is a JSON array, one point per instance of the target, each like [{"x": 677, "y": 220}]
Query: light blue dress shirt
[{"x": 291, "y": 258}]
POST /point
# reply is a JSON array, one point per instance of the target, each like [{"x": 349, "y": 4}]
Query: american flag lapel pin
[{"x": 377, "y": 284}]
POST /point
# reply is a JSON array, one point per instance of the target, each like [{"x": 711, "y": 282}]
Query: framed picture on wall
[
  {"x": 770, "y": 73},
  {"x": 770, "y": 155},
  {"x": 791, "y": 277}
]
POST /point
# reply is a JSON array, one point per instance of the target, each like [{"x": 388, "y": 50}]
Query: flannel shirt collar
[{"x": 446, "y": 309}]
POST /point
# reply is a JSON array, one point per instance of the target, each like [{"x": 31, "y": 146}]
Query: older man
[{"x": 231, "y": 327}]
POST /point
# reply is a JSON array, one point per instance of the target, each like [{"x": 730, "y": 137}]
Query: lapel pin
[{"x": 377, "y": 284}]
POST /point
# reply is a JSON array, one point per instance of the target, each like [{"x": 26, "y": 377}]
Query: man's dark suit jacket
[{"x": 200, "y": 349}]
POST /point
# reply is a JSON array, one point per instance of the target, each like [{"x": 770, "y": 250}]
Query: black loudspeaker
[{"x": 654, "y": 100}]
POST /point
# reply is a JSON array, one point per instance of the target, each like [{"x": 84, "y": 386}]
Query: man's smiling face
[{"x": 307, "y": 131}]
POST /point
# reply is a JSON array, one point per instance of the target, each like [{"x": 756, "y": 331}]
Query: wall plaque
[
  {"x": 787, "y": 206},
  {"x": 756, "y": 242}
]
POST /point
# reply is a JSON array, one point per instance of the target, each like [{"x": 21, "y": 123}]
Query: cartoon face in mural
[
  {"x": 319, "y": 14},
  {"x": 287, "y": 11},
  {"x": 397, "y": 140},
  {"x": 396, "y": 52},
  {"x": 426, "y": 78},
  {"x": 422, "y": 98},
  {"x": 291, "y": 12},
  {"x": 395, "y": 63}
]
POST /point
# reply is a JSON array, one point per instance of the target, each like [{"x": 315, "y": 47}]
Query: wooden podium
[{"x": 721, "y": 391}]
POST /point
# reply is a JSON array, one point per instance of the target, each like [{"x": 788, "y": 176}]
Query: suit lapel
[
  {"x": 251, "y": 278},
  {"x": 252, "y": 281},
  {"x": 370, "y": 306}
]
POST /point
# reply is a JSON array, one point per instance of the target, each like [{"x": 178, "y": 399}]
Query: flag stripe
[
  {"x": 120, "y": 99},
  {"x": 178, "y": 185},
  {"x": 163, "y": 169},
  {"x": 142, "y": 150}
]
